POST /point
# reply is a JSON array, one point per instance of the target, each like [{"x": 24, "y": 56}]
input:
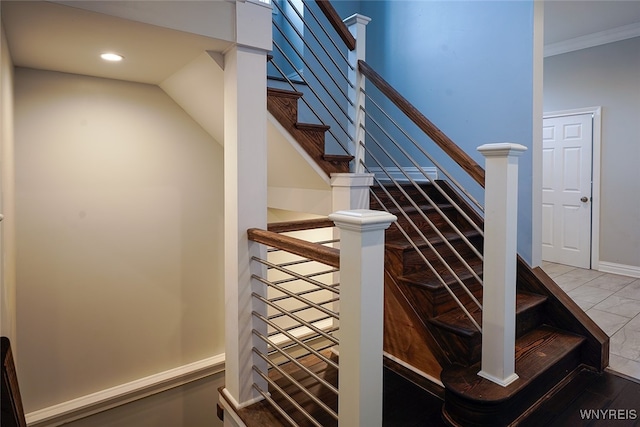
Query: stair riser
[
  {"x": 421, "y": 223},
  {"x": 411, "y": 192},
  {"x": 412, "y": 261},
  {"x": 433, "y": 301},
  {"x": 471, "y": 413},
  {"x": 283, "y": 108}
]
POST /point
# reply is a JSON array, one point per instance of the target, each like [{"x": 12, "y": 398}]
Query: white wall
[
  {"x": 119, "y": 196},
  {"x": 607, "y": 76},
  {"x": 7, "y": 202}
]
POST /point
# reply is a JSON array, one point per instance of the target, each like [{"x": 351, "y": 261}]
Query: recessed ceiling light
[{"x": 114, "y": 57}]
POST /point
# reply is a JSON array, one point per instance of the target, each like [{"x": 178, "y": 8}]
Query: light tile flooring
[{"x": 613, "y": 302}]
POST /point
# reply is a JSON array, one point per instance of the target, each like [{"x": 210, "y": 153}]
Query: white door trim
[{"x": 595, "y": 174}]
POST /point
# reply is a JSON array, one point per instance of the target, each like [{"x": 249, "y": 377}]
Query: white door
[{"x": 566, "y": 189}]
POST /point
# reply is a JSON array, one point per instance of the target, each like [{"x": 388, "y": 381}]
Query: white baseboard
[
  {"x": 622, "y": 269},
  {"x": 125, "y": 393},
  {"x": 398, "y": 175}
]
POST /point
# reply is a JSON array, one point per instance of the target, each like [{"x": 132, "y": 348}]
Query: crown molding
[{"x": 591, "y": 40}]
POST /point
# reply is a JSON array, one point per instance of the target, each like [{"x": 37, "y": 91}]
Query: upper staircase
[{"x": 283, "y": 105}]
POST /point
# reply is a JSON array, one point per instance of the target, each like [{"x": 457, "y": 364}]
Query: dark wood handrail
[
  {"x": 12, "y": 410},
  {"x": 443, "y": 141},
  {"x": 314, "y": 251},
  {"x": 337, "y": 24},
  {"x": 299, "y": 225}
]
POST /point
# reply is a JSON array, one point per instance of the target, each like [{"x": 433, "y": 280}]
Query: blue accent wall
[{"x": 468, "y": 67}]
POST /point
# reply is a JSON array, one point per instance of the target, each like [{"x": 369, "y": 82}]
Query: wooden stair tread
[
  {"x": 337, "y": 158},
  {"x": 284, "y": 93},
  {"x": 536, "y": 352},
  {"x": 283, "y": 105},
  {"x": 426, "y": 280},
  {"x": 457, "y": 321},
  {"x": 422, "y": 207},
  {"x": 401, "y": 243},
  {"x": 313, "y": 127}
]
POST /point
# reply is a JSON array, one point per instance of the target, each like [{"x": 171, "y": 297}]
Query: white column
[
  {"x": 245, "y": 195},
  {"x": 361, "y": 320},
  {"x": 499, "y": 271},
  {"x": 357, "y": 25}
]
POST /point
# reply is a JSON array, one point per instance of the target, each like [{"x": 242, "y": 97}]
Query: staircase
[
  {"x": 545, "y": 354},
  {"x": 425, "y": 328},
  {"x": 283, "y": 105}
]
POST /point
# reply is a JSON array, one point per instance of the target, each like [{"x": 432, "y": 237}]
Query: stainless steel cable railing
[
  {"x": 301, "y": 37},
  {"x": 302, "y": 321},
  {"x": 323, "y": 78},
  {"x": 394, "y": 141}
]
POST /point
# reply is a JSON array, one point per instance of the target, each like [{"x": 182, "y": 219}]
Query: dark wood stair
[
  {"x": 544, "y": 357},
  {"x": 283, "y": 105},
  {"x": 546, "y": 352}
]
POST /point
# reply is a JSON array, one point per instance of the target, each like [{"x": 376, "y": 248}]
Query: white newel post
[
  {"x": 357, "y": 25},
  {"x": 361, "y": 319},
  {"x": 245, "y": 198},
  {"x": 499, "y": 271},
  {"x": 350, "y": 190}
]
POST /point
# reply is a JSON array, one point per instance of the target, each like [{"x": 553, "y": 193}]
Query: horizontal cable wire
[
  {"x": 294, "y": 274},
  {"x": 294, "y": 339},
  {"x": 306, "y": 63},
  {"x": 290, "y": 346},
  {"x": 273, "y": 403},
  {"x": 308, "y": 291},
  {"x": 429, "y": 199},
  {"x": 417, "y": 229},
  {"x": 303, "y": 308},
  {"x": 299, "y": 298},
  {"x": 296, "y": 318},
  {"x": 434, "y": 205},
  {"x": 311, "y": 108},
  {"x": 426, "y": 154},
  {"x": 294, "y": 361},
  {"x": 292, "y": 400},
  {"x": 320, "y": 44},
  {"x": 322, "y": 27},
  {"x": 426, "y": 261}
]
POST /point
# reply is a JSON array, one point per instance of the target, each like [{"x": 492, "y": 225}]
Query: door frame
[{"x": 596, "y": 140}]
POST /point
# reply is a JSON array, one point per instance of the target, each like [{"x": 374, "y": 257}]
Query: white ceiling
[
  {"x": 61, "y": 38},
  {"x": 55, "y": 37}
]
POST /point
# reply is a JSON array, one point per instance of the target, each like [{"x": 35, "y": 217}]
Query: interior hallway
[{"x": 613, "y": 302}]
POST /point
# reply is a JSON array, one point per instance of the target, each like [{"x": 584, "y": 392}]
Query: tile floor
[{"x": 613, "y": 302}]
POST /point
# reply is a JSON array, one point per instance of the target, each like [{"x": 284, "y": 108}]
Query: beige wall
[
  {"x": 7, "y": 204},
  {"x": 119, "y": 200}
]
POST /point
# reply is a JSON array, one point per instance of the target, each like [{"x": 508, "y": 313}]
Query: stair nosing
[
  {"x": 401, "y": 243},
  {"x": 470, "y": 330},
  {"x": 284, "y": 93}
]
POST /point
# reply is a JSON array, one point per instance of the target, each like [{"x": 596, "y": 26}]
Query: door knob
[{"x": 584, "y": 199}]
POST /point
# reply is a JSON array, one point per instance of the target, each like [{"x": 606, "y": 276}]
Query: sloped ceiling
[{"x": 57, "y": 37}]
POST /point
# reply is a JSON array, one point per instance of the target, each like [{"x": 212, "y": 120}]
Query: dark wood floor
[{"x": 608, "y": 399}]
